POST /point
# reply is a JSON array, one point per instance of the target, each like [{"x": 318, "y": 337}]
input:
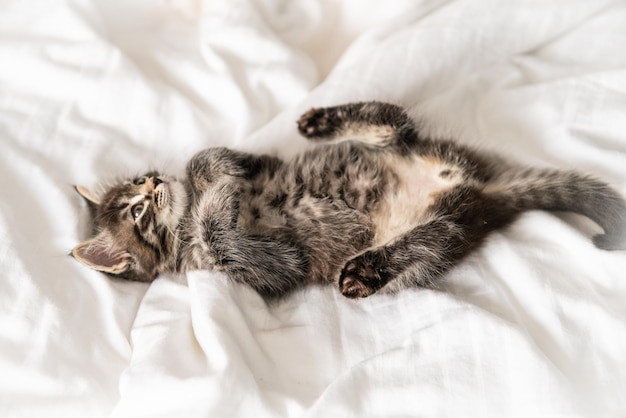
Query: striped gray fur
[{"x": 375, "y": 206}]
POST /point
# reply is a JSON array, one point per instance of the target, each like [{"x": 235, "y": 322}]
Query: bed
[{"x": 532, "y": 325}]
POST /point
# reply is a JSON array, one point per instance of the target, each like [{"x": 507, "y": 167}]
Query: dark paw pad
[
  {"x": 358, "y": 280},
  {"x": 319, "y": 123}
]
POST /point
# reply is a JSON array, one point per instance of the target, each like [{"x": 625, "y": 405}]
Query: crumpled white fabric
[{"x": 533, "y": 324}]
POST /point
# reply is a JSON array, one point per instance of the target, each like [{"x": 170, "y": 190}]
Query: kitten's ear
[
  {"x": 99, "y": 254},
  {"x": 91, "y": 200}
]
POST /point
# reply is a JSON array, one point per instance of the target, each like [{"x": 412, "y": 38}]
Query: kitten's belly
[{"x": 419, "y": 180}]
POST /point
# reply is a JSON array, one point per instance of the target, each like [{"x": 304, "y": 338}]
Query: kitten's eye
[
  {"x": 139, "y": 181},
  {"x": 136, "y": 211}
]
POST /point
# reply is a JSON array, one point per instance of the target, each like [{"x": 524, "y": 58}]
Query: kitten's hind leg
[
  {"x": 418, "y": 257},
  {"x": 373, "y": 123}
]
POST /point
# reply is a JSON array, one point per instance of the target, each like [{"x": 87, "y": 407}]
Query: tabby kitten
[{"x": 376, "y": 206}]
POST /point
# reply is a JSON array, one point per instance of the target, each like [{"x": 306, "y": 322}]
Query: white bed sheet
[{"x": 533, "y": 324}]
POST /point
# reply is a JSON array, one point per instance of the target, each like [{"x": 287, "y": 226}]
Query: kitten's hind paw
[
  {"x": 359, "y": 279},
  {"x": 322, "y": 123}
]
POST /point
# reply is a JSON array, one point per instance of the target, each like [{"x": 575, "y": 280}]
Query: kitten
[{"x": 374, "y": 206}]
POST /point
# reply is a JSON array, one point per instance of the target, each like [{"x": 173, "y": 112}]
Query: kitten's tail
[{"x": 569, "y": 191}]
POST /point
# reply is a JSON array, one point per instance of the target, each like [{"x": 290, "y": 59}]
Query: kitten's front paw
[
  {"x": 319, "y": 123},
  {"x": 359, "y": 279}
]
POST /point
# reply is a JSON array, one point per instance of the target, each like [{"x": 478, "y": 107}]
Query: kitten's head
[{"x": 135, "y": 224}]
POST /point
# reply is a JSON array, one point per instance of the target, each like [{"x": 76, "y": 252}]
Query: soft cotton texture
[{"x": 531, "y": 325}]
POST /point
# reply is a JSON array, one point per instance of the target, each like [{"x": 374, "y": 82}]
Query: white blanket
[{"x": 532, "y": 325}]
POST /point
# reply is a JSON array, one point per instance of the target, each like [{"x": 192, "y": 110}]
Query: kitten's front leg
[
  {"x": 270, "y": 266},
  {"x": 213, "y": 165},
  {"x": 217, "y": 175}
]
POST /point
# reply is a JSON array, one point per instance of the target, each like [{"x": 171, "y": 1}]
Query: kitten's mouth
[
  {"x": 169, "y": 199},
  {"x": 162, "y": 195}
]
